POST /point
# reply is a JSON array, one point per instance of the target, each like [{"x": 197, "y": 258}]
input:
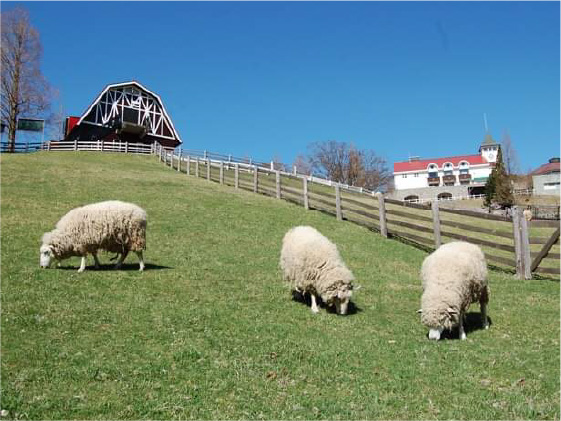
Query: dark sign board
[
  {"x": 3, "y": 127},
  {"x": 30, "y": 125}
]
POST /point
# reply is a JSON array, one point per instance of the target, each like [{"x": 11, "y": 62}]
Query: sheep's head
[
  {"x": 343, "y": 297},
  {"x": 439, "y": 320},
  {"x": 47, "y": 250},
  {"x": 45, "y": 255}
]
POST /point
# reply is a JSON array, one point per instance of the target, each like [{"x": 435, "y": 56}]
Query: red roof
[
  {"x": 422, "y": 164},
  {"x": 547, "y": 168}
]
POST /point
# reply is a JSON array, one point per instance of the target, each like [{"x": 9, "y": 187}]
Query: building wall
[
  {"x": 541, "y": 182},
  {"x": 420, "y": 181},
  {"x": 429, "y": 193}
]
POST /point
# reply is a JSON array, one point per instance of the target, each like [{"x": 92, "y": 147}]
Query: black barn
[{"x": 127, "y": 112}]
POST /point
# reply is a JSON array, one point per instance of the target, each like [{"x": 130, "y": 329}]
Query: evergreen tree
[{"x": 498, "y": 189}]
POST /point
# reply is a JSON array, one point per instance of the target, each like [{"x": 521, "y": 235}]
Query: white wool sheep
[
  {"x": 454, "y": 276},
  {"x": 113, "y": 226},
  {"x": 312, "y": 264}
]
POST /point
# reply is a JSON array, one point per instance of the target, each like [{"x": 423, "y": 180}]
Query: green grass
[{"x": 209, "y": 331}]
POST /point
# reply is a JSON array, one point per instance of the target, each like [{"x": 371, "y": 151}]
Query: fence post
[
  {"x": 525, "y": 246},
  {"x": 102, "y": 142},
  {"x": 294, "y": 170},
  {"x": 436, "y": 223},
  {"x": 179, "y": 162},
  {"x": 127, "y": 147},
  {"x": 236, "y": 175},
  {"x": 255, "y": 178},
  {"x": 338, "y": 210},
  {"x": 521, "y": 244},
  {"x": 221, "y": 172},
  {"x": 382, "y": 214},
  {"x": 207, "y": 169},
  {"x": 188, "y": 171},
  {"x": 204, "y": 154},
  {"x": 197, "y": 167},
  {"x": 306, "y": 200},
  {"x": 48, "y": 145},
  {"x": 278, "y": 183},
  {"x": 272, "y": 165},
  {"x": 75, "y": 144}
]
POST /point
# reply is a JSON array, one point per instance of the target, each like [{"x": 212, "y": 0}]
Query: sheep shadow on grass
[
  {"x": 124, "y": 267},
  {"x": 473, "y": 322},
  {"x": 307, "y": 300}
]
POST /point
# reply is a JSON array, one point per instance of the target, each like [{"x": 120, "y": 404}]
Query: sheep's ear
[{"x": 450, "y": 310}]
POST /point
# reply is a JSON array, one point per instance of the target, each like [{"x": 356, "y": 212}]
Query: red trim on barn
[{"x": 422, "y": 164}]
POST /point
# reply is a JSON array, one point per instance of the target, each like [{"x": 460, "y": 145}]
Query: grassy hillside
[{"x": 209, "y": 331}]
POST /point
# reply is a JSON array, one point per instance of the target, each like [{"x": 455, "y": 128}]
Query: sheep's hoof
[
  {"x": 81, "y": 270},
  {"x": 315, "y": 310},
  {"x": 463, "y": 337}
]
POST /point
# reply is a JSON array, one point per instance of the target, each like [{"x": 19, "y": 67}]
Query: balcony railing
[
  {"x": 449, "y": 179},
  {"x": 465, "y": 178},
  {"x": 434, "y": 181}
]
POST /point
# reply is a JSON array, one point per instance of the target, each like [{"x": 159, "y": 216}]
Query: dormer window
[{"x": 448, "y": 168}]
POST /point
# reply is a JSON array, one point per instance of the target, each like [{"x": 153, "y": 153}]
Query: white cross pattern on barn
[{"x": 132, "y": 105}]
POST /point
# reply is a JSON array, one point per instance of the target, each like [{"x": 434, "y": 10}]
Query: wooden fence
[
  {"x": 22, "y": 147},
  {"x": 102, "y": 146},
  {"x": 509, "y": 243}
]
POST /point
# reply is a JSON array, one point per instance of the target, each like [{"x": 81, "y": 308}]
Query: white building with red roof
[
  {"x": 445, "y": 177},
  {"x": 546, "y": 179}
]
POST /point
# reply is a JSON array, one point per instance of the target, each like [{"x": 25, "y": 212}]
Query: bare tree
[
  {"x": 25, "y": 90},
  {"x": 346, "y": 164},
  {"x": 278, "y": 164},
  {"x": 302, "y": 165},
  {"x": 510, "y": 157}
]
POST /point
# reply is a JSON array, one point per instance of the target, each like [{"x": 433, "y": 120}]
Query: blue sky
[{"x": 265, "y": 79}]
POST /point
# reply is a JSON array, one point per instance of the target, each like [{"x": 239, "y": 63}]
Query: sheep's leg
[
  {"x": 484, "y": 315},
  {"x": 483, "y": 304},
  {"x": 462, "y": 331},
  {"x": 315, "y": 308},
  {"x": 82, "y": 264},
  {"x": 140, "y": 259},
  {"x": 121, "y": 259},
  {"x": 96, "y": 260}
]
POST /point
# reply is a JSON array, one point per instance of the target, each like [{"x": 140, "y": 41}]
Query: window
[
  {"x": 404, "y": 176},
  {"x": 416, "y": 174},
  {"x": 551, "y": 186}
]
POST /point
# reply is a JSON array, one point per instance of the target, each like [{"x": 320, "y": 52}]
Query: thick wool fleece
[
  {"x": 311, "y": 263},
  {"x": 454, "y": 276},
  {"x": 113, "y": 226}
]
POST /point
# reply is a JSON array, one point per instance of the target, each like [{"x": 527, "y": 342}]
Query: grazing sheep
[
  {"x": 114, "y": 226},
  {"x": 312, "y": 264},
  {"x": 454, "y": 276}
]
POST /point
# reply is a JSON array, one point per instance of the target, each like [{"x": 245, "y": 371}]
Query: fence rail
[
  {"x": 102, "y": 146},
  {"x": 508, "y": 242},
  {"x": 21, "y": 147}
]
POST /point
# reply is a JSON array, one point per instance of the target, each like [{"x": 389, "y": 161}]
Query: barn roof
[
  {"x": 157, "y": 129},
  {"x": 548, "y": 168}
]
